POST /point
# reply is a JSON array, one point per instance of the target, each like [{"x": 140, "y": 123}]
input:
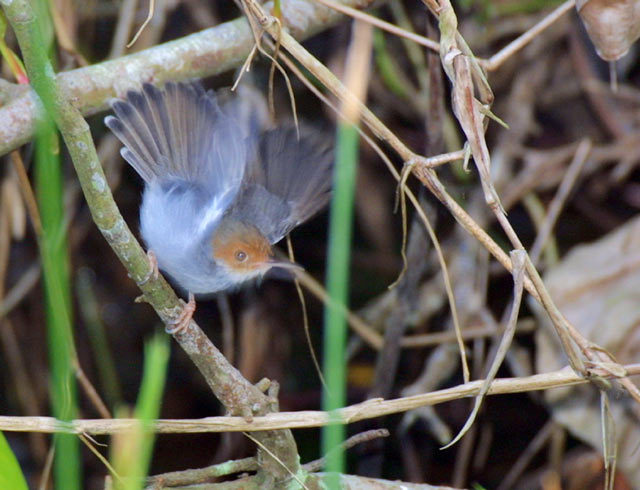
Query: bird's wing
[
  {"x": 288, "y": 182},
  {"x": 181, "y": 132}
]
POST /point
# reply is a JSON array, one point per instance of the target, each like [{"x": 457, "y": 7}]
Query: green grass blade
[
  {"x": 52, "y": 242},
  {"x": 335, "y": 328},
  {"x": 10, "y": 473},
  {"x": 55, "y": 266},
  {"x": 132, "y": 456}
]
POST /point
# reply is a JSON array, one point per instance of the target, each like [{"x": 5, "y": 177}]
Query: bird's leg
[
  {"x": 182, "y": 322},
  {"x": 153, "y": 264}
]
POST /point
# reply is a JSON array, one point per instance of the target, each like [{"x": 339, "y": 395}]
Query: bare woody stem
[
  {"x": 238, "y": 395},
  {"x": 366, "y": 410}
]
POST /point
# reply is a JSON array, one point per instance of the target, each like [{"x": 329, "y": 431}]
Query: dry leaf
[
  {"x": 597, "y": 287},
  {"x": 612, "y": 25}
]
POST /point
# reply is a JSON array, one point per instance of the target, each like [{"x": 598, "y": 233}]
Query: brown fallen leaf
[
  {"x": 597, "y": 287},
  {"x": 612, "y": 25}
]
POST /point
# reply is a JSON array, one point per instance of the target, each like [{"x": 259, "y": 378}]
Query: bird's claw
[
  {"x": 153, "y": 264},
  {"x": 183, "y": 320}
]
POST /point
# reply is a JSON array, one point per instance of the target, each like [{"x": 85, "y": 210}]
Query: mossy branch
[{"x": 238, "y": 395}]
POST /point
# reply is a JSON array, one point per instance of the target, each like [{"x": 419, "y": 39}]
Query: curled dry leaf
[
  {"x": 597, "y": 287},
  {"x": 612, "y": 25}
]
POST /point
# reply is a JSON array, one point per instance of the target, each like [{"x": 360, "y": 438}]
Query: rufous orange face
[{"x": 241, "y": 248}]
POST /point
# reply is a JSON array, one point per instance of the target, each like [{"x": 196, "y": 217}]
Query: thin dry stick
[
  {"x": 246, "y": 66},
  {"x": 305, "y": 318},
  {"x": 469, "y": 333},
  {"x": 126, "y": 16},
  {"x": 609, "y": 442},
  {"x": 46, "y": 470},
  {"x": 203, "y": 475},
  {"x": 276, "y": 458},
  {"x": 568, "y": 181},
  {"x": 274, "y": 64},
  {"x": 366, "y": 436},
  {"x": 510, "y": 49},
  {"x": 518, "y": 260},
  {"x": 90, "y": 390},
  {"x": 525, "y": 458},
  {"x": 152, "y": 7},
  {"x": 89, "y": 443},
  {"x": 381, "y": 24},
  {"x": 366, "y": 332},
  {"x": 412, "y": 198},
  {"x": 304, "y": 419},
  {"x": 20, "y": 289},
  {"x": 27, "y": 191}
]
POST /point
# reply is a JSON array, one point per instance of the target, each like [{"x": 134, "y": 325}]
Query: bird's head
[{"x": 243, "y": 251}]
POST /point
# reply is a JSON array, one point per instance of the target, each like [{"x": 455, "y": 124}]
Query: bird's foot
[
  {"x": 183, "y": 320},
  {"x": 153, "y": 271}
]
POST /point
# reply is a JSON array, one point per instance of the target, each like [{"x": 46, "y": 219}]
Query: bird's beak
[{"x": 284, "y": 265}]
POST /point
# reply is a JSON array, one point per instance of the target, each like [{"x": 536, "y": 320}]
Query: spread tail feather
[
  {"x": 157, "y": 128},
  {"x": 182, "y": 132},
  {"x": 295, "y": 175},
  {"x": 297, "y": 169}
]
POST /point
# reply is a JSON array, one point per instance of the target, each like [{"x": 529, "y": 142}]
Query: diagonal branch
[{"x": 238, "y": 395}]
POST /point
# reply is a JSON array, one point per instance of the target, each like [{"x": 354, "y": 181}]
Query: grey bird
[{"x": 221, "y": 186}]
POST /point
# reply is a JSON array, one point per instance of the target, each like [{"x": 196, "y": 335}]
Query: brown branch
[{"x": 310, "y": 418}]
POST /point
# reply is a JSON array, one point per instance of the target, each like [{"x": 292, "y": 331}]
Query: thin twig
[
  {"x": 469, "y": 333},
  {"x": 510, "y": 49},
  {"x": 27, "y": 192},
  {"x": 368, "y": 435},
  {"x": 305, "y": 318},
  {"x": 540, "y": 439},
  {"x": 46, "y": 470},
  {"x": 152, "y": 7},
  {"x": 126, "y": 16},
  {"x": 417, "y": 161},
  {"x": 20, "y": 289},
  {"x": 381, "y": 24},
  {"x": 90, "y": 391},
  {"x": 518, "y": 260},
  {"x": 568, "y": 181},
  {"x": 305, "y": 419},
  {"x": 202, "y": 475}
]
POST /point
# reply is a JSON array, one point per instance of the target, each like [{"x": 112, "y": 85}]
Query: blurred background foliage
[{"x": 552, "y": 94}]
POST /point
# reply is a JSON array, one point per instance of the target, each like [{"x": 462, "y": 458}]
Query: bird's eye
[{"x": 241, "y": 256}]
